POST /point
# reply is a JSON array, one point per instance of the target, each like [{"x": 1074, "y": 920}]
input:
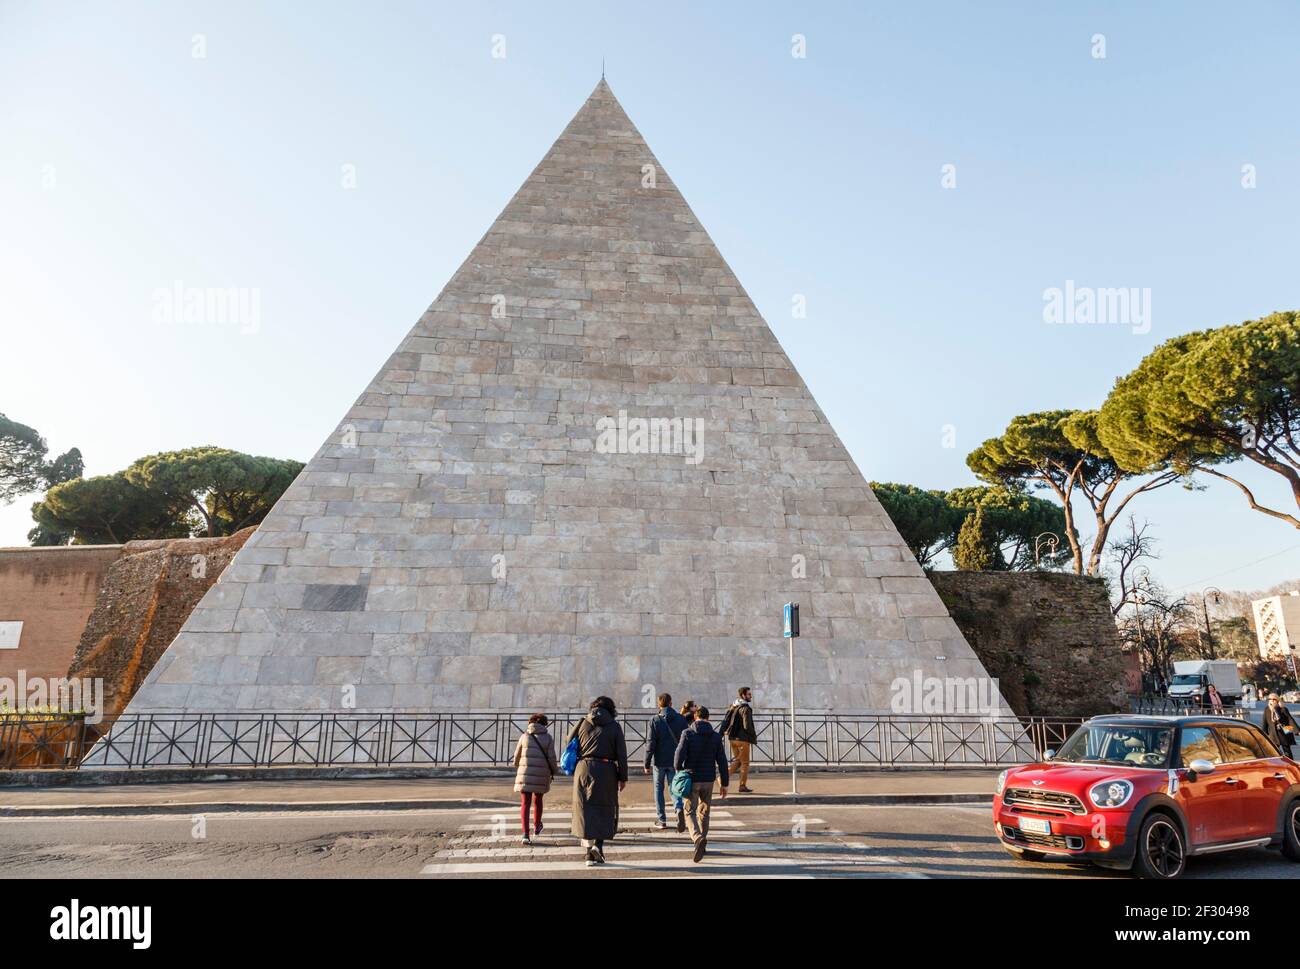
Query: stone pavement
[{"x": 771, "y": 787}]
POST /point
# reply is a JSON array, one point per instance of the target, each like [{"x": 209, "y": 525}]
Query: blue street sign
[{"x": 791, "y": 617}]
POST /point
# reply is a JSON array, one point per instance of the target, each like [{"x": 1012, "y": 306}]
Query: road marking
[
  {"x": 654, "y": 864},
  {"x": 488, "y": 826},
  {"x": 549, "y": 817},
  {"x": 618, "y": 849}
]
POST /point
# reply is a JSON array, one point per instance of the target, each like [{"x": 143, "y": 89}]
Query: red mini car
[{"x": 1143, "y": 794}]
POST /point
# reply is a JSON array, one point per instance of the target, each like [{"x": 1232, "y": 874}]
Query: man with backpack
[
  {"x": 665, "y": 733},
  {"x": 738, "y": 727},
  {"x": 700, "y": 757}
]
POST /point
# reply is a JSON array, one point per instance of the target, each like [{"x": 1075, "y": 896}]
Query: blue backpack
[
  {"x": 682, "y": 781},
  {"x": 569, "y": 762},
  {"x": 681, "y": 785}
]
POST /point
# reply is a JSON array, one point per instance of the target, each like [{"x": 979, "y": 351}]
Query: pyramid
[{"x": 589, "y": 469}]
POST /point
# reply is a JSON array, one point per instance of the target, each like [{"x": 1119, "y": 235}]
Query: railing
[
  {"x": 489, "y": 739},
  {"x": 1177, "y": 706}
]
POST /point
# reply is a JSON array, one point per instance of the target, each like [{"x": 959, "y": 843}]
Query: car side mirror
[
  {"x": 1199, "y": 767},
  {"x": 1049, "y": 754}
]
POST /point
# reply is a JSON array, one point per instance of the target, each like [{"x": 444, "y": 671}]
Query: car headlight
[
  {"x": 1002, "y": 780},
  {"x": 1110, "y": 794}
]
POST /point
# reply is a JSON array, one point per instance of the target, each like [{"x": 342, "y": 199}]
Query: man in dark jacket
[
  {"x": 700, "y": 753},
  {"x": 665, "y": 732},
  {"x": 738, "y": 727}
]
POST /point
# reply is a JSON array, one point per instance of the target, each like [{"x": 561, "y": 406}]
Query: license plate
[{"x": 1035, "y": 826}]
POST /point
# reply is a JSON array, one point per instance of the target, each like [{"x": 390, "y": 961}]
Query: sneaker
[
  {"x": 681, "y": 820},
  {"x": 745, "y": 790},
  {"x": 600, "y": 855},
  {"x": 590, "y": 863},
  {"x": 527, "y": 841},
  {"x": 661, "y": 825},
  {"x": 538, "y": 830},
  {"x": 699, "y": 850},
  {"x": 591, "y": 858}
]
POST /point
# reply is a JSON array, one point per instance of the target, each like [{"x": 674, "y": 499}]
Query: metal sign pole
[
  {"x": 790, "y": 615},
  {"x": 794, "y": 736}
]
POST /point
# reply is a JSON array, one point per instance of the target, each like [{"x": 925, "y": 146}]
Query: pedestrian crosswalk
[{"x": 489, "y": 843}]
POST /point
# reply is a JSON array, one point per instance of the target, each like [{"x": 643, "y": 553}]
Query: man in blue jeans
[{"x": 665, "y": 731}]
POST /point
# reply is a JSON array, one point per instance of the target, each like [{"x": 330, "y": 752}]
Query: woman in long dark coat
[
  {"x": 599, "y": 777},
  {"x": 1277, "y": 718}
]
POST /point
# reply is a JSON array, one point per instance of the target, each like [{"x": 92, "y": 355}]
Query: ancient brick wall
[
  {"x": 1048, "y": 637},
  {"x": 50, "y": 591},
  {"x": 146, "y": 597}
]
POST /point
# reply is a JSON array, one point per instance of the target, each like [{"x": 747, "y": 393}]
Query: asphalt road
[{"x": 747, "y": 841}]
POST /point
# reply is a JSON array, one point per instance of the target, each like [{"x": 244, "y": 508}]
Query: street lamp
[
  {"x": 1049, "y": 539},
  {"x": 1143, "y": 581},
  {"x": 1205, "y": 611}
]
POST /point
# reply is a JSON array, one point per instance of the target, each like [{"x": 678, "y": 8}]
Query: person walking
[
  {"x": 1279, "y": 725},
  {"x": 665, "y": 731},
  {"x": 599, "y": 777},
  {"x": 1216, "y": 701},
  {"x": 699, "y": 753},
  {"x": 535, "y": 765},
  {"x": 738, "y": 727}
]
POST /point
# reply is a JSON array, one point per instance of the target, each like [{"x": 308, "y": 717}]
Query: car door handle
[
  {"x": 1231, "y": 780},
  {"x": 1279, "y": 776}
]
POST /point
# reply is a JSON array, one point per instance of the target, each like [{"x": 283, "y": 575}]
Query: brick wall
[
  {"x": 1048, "y": 637},
  {"x": 51, "y": 591}
]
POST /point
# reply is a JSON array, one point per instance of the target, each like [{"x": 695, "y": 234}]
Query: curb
[
  {"x": 454, "y": 804},
  {"x": 114, "y": 777}
]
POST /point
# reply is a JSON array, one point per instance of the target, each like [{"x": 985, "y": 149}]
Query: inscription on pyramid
[{"x": 589, "y": 469}]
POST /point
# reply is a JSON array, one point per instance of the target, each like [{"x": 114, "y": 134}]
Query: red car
[{"x": 1144, "y": 794}]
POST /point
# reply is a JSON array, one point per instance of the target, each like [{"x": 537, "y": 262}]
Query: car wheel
[
  {"x": 1291, "y": 831},
  {"x": 1161, "y": 853}
]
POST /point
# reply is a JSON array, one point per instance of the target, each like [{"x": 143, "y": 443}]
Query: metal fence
[
  {"x": 489, "y": 739},
  {"x": 1178, "y": 707}
]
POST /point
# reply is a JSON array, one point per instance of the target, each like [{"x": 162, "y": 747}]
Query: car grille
[
  {"x": 1061, "y": 842},
  {"x": 1043, "y": 800}
]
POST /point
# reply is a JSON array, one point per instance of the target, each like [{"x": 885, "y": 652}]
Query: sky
[{"x": 333, "y": 164}]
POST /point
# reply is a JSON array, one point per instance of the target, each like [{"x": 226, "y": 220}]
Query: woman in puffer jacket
[{"x": 535, "y": 765}]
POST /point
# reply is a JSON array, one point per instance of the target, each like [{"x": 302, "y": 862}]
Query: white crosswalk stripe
[{"x": 490, "y": 843}]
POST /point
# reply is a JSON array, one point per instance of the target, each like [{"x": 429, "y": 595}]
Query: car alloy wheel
[
  {"x": 1291, "y": 833},
  {"x": 1163, "y": 846}
]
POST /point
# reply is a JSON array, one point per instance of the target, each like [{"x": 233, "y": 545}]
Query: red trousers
[{"x": 527, "y": 798}]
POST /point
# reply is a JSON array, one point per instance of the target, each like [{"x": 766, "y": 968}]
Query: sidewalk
[{"x": 890, "y": 787}]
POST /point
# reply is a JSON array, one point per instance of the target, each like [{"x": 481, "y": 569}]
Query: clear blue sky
[{"x": 128, "y": 165}]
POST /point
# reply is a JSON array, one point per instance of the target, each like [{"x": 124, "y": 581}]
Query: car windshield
[
  {"x": 1186, "y": 679},
  {"x": 1109, "y": 743}
]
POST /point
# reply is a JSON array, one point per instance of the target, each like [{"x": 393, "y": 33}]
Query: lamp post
[
  {"x": 1143, "y": 579},
  {"x": 1205, "y": 611},
  {"x": 1049, "y": 539}
]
